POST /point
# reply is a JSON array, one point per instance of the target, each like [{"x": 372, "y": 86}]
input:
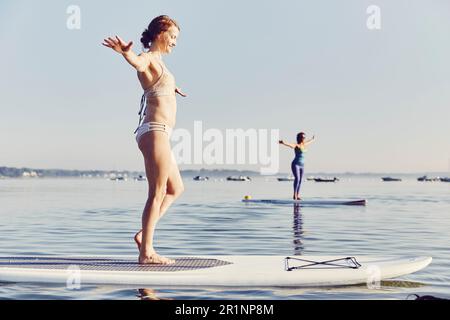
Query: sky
[{"x": 377, "y": 100}]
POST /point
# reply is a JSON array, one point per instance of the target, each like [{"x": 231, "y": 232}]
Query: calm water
[{"x": 98, "y": 216}]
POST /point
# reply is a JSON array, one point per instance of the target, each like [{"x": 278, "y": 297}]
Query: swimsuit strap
[{"x": 142, "y": 110}]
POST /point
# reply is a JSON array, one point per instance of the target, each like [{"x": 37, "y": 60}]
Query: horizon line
[{"x": 237, "y": 170}]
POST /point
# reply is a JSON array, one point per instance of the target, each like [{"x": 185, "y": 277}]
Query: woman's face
[{"x": 168, "y": 39}]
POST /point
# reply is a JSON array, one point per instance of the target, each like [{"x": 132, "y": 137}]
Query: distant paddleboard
[
  {"x": 312, "y": 202},
  {"x": 229, "y": 271}
]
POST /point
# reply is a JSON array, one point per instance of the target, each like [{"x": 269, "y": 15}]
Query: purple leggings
[{"x": 297, "y": 171}]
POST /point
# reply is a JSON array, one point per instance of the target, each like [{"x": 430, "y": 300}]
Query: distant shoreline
[{"x": 11, "y": 172}]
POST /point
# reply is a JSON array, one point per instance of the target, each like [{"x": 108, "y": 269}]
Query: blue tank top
[{"x": 299, "y": 156}]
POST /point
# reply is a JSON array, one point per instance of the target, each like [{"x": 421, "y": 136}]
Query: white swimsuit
[{"x": 164, "y": 86}]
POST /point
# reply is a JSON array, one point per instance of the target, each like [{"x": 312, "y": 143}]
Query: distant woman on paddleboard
[
  {"x": 156, "y": 120},
  {"x": 298, "y": 164}
]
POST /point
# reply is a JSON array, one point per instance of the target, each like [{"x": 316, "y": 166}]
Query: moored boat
[
  {"x": 238, "y": 178},
  {"x": 326, "y": 179},
  {"x": 290, "y": 178},
  {"x": 428, "y": 179},
  {"x": 390, "y": 179},
  {"x": 200, "y": 178}
]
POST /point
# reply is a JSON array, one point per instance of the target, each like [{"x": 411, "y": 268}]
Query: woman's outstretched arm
[
  {"x": 139, "y": 62},
  {"x": 291, "y": 145}
]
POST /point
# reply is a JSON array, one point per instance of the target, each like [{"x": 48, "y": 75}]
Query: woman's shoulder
[
  {"x": 150, "y": 56},
  {"x": 151, "y": 61}
]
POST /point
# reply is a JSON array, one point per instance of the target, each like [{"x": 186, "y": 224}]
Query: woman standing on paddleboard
[
  {"x": 298, "y": 164},
  {"x": 156, "y": 120}
]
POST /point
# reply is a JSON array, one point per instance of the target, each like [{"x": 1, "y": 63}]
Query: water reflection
[
  {"x": 149, "y": 294},
  {"x": 297, "y": 226}
]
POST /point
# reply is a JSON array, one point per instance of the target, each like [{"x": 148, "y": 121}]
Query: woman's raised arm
[{"x": 310, "y": 140}]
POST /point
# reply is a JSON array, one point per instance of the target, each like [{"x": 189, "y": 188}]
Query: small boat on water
[
  {"x": 290, "y": 178},
  {"x": 390, "y": 179},
  {"x": 238, "y": 178},
  {"x": 326, "y": 179},
  {"x": 427, "y": 179},
  {"x": 140, "y": 178},
  {"x": 119, "y": 179},
  {"x": 200, "y": 178}
]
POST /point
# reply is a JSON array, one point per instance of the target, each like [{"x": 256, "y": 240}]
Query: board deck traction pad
[
  {"x": 181, "y": 264},
  {"x": 101, "y": 264}
]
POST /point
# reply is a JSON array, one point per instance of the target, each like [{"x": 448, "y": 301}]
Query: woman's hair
[
  {"x": 158, "y": 25},
  {"x": 300, "y": 137}
]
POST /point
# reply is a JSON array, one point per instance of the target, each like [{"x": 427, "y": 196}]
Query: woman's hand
[
  {"x": 307, "y": 142},
  {"x": 118, "y": 45},
  {"x": 177, "y": 90}
]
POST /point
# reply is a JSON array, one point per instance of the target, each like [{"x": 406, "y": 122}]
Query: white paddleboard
[
  {"x": 312, "y": 202},
  {"x": 234, "y": 271}
]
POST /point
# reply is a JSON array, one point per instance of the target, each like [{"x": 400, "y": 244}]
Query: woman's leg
[
  {"x": 175, "y": 188},
  {"x": 300, "y": 177},
  {"x": 155, "y": 148},
  {"x": 296, "y": 173}
]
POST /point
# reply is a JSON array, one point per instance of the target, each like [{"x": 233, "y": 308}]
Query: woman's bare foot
[
  {"x": 155, "y": 258},
  {"x": 138, "y": 239}
]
